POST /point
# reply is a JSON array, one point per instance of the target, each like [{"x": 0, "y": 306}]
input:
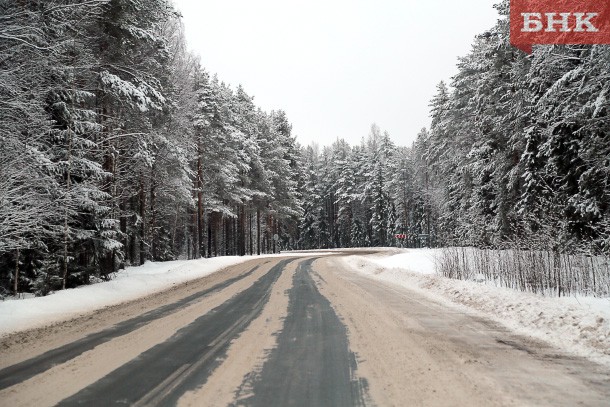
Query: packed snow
[
  {"x": 578, "y": 325},
  {"x": 128, "y": 284}
]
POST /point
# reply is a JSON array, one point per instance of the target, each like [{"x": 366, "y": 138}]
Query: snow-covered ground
[
  {"x": 132, "y": 283},
  {"x": 579, "y": 325}
]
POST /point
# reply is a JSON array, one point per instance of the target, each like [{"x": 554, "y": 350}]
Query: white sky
[{"x": 337, "y": 66}]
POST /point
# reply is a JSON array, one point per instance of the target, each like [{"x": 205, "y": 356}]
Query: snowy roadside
[
  {"x": 128, "y": 284},
  {"x": 578, "y": 325}
]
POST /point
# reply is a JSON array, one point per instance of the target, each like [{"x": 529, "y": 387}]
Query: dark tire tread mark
[
  {"x": 312, "y": 364},
  {"x": 27, "y": 369},
  {"x": 163, "y": 373}
]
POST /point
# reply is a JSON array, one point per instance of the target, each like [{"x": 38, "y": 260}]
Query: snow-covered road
[
  {"x": 577, "y": 324},
  {"x": 354, "y": 328}
]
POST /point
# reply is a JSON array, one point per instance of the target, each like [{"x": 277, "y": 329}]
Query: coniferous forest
[{"x": 117, "y": 147}]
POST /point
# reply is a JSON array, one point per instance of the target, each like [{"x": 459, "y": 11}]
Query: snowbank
[
  {"x": 579, "y": 325},
  {"x": 420, "y": 261},
  {"x": 134, "y": 282}
]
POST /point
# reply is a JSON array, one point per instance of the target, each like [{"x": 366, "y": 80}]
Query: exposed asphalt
[
  {"x": 160, "y": 375},
  {"x": 29, "y": 368},
  {"x": 412, "y": 351},
  {"x": 312, "y": 364}
]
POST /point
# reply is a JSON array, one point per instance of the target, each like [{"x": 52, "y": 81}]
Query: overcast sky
[{"x": 337, "y": 66}]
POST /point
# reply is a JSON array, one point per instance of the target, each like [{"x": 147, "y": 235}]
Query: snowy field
[{"x": 579, "y": 325}]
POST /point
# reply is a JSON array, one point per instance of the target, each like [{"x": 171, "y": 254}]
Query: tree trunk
[
  {"x": 210, "y": 236},
  {"x": 428, "y": 212},
  {"x": 268, "y": 230},
  {"x": 133, "y": 237},
  {"x": 16, "y": 282},
  {"x": 241, "y": 233},
  {"x": 143, "y": 225},
  {"x": 227, "y": 235},
  {"x": 174, "y": 232},
  {"x": 250, "y": 233},
  {"x": 275, "y": 230},
  {"x": 123, "y": 228},
  {"x": 258, "y": 232},
  {"x": 200, "y": 224},
  {"x": 193, "y": 232},
  {"x": 153, "y": 217},
  {"x": 66, "y": 230},
  {"x": 215, "y": 228},
  {"x": 110, "y": 166}
]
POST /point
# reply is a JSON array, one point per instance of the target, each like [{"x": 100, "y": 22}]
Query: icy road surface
[{"x": 306, "y": 331}]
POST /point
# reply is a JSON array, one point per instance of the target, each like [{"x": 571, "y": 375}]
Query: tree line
[
  {"x": 519, "y": 147},
  {"x": 517, "y": 156},
  {"x": 117, "y": 147}
]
